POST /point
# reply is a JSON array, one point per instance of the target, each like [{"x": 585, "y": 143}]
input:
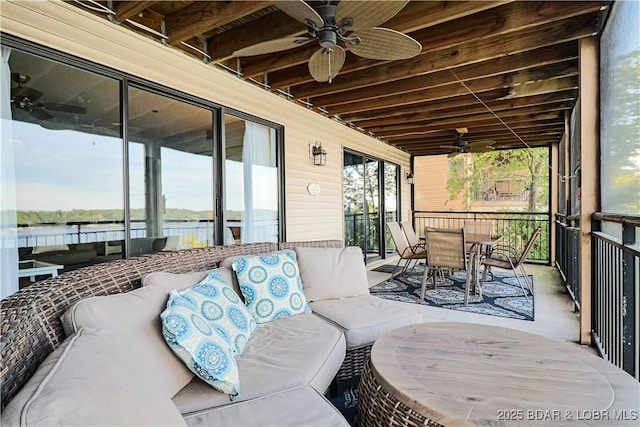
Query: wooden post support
[
  {"x": 588, "y": 175},
  {"x": 554, "y": 182}
]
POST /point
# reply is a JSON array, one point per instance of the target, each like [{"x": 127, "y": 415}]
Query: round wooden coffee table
[{"x": 461, "y": 374}]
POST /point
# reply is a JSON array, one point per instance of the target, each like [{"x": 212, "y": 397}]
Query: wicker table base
[{"x": 377, "y": 407}]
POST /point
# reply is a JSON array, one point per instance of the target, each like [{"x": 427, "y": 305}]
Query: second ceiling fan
[
  {"x": 462, "y": 146},
  {"x": 355, "y": 23}
]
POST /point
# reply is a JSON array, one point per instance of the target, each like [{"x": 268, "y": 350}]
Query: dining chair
[
  {"x": 406, "y": 251},
  {"x": 412, "y": 236},
  {"x": 446, "y": 250},
  {"x": 507, "y": 257}
]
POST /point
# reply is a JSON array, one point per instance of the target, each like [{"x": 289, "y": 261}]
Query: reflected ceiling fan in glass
[
  {"x": 354, "y": 23},
  {"x": 26, "y": 99}
]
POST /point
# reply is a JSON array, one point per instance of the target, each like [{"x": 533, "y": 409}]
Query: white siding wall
[{"x": 69, "y": 29}]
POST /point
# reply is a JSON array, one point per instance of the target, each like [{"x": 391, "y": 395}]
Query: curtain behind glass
[
  {"x": 258, "y": 159},
  {"x": 9, "y": 251}
]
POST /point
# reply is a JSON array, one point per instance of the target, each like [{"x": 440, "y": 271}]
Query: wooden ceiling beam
[
  {"x": 433, "y": 59},
  {"x": 477, "y": 86},
  {"x": 496, "y": 106},
  {"x": 480, "y": 129},
  {"x": 547, "y": 55},
  {"x": 509, "y": 78},
  {"x": 199, "y": 17},
  {"x": 128, "y": 9},
  {"x": 478, "y": 122},
  {"x": 456, "y": 122}
]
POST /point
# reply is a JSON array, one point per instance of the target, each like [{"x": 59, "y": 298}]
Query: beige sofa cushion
[
  {"x": 332, "y": 273},
  {"x": 178, "y": 281},
  {"x": 364, "y": 318},
  {"x": 135, "y": 315},
  {"x": 92, "y": 379},
  {"x": 287, "y": 353},
  {"x": 302, "y": 406}
]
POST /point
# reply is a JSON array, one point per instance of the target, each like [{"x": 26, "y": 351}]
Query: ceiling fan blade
[
  {"x": 272, "y": 46},
  {"x": 476, "y": 149},
  {"x": 324, "y": 65},
  {"x": 385, "y": 44},
  {"x": 367, "y": 14},
  {"x": 65, "y": 108},
  {"x": 451, "y": 147},
  {"x": 300, "y": 11},
  {"x": 483, "y": 143},
  {"x": 451, "y": 155},
  {"x": 26, "y": 92},
  {"x": 40, "y": 114}
]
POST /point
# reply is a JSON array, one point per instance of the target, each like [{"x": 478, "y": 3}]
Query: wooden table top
[{"x": 462, "y": 374}]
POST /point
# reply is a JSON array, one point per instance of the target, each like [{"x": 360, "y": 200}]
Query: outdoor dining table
[
  {"x": 479, "y": 242},
  {"x": 463, "y": 374}
]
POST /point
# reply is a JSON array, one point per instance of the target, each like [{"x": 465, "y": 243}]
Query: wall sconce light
[
  {"x": 317, "y": 152},
  {"x": 409, "y": 177}
]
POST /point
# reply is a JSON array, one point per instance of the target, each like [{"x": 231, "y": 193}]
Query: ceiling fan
[
  {"x": 26, "y": 99},
  {"x": 355, "y": 23},
  {"x": 462, "y": 146}
]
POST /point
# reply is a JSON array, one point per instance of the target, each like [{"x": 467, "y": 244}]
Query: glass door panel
[
  {"x": 372, "y": 208},
  {"x": 251, "y": 189},
  {"x": 353, "y": 189},
  {"x": 170, "y": 173},
  {"x": 391, "y": 214}
]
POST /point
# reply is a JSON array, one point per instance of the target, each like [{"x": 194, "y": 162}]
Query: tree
[{"x": 526, "y": 167}]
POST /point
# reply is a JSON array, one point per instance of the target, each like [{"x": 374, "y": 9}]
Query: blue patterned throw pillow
[
  {"x": 271, "y": 285},
  {"x": 203, "y": 348},
  {"x": 216, "y": 301}
]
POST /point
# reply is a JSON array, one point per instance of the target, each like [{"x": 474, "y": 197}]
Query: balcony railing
[
  {"x": 567, "y": 254},
  {"x": 514, "y": 227},
  {"x": 191, "y": 233},
  {"x": 615, "y": 293}
]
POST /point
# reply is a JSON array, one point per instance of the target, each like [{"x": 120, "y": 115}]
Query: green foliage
[{"x": 528, "y": 167}]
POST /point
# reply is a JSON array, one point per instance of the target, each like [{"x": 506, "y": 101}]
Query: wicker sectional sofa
[{"x": 98, "y": 372}]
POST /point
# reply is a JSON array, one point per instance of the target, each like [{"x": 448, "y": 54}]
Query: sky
[{"x": 64, "y": 170}]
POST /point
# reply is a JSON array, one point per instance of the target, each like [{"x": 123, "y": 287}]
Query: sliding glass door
[{"x": 370, "y": 190}]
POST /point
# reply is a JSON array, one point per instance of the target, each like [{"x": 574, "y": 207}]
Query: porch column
[
  {"x": 554, "y": 182},
  {"x": 588, "y": 180}
]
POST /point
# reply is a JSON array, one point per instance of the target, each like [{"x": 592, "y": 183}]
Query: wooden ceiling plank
[
  {"x": 436, "y": 135},
  {"x": 544, "y": 56},
  {"x": 477, "y": 86},
  {"x": 540, "y": 116},
  {"x": 128, "y": 9},
  {"x": 456, "y": 122},
  {"x": 495, "y": 136},
  {"x": 200, "y": 17},
  {"x": 431, "y": 60},
  {"x": 496, "y": 106},
  {"x": 517, "y": 75}
]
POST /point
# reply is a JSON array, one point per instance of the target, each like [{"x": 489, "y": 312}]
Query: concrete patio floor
[{"x": 554, "y": 314}]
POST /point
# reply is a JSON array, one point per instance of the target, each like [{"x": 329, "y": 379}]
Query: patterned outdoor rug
[{"x": 501, "y": 296}]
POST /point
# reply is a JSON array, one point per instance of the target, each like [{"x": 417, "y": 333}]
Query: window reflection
[
  {"x": 171, "y": 174},
  {"x": 67, "y": 157}
]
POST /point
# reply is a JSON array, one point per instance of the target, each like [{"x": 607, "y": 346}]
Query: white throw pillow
[
  {"x": 332, "y": 273},
  {"x": 271, "y": 285}
]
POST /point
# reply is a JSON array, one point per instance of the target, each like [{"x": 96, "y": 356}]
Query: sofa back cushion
[
  {"x": 136, "y": 316},
  {"x": 332, "y": 273},
  {"x": 92, "y": 379}
]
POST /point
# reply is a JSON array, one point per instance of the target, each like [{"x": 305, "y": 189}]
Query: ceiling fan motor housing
[{"x": 327, "y": 35}]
